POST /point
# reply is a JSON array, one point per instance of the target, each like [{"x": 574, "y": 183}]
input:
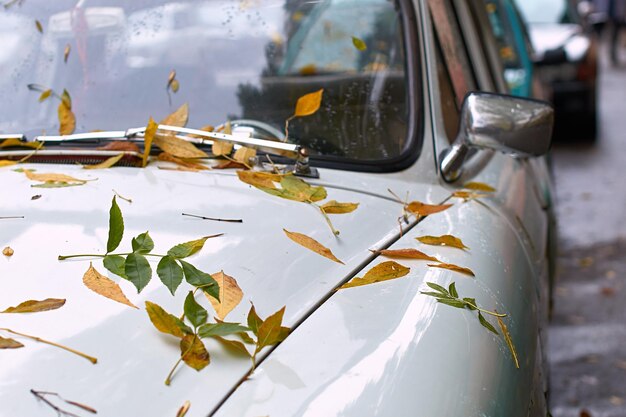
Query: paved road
[{"x": 588, "y": 333}]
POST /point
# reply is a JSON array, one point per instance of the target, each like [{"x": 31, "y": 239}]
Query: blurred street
[{"x": 587, "y": 346}]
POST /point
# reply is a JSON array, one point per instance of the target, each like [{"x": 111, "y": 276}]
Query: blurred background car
[{"x": 566, "y": 54}]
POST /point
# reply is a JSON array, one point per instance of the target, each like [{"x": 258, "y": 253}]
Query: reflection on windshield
[{"x": 233, "y": 59}]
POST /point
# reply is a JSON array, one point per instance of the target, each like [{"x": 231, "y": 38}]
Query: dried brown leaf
[
  {"x": 334, "y": 207},
  {"x": 148, "y": 138},
  {"x": 164, "y": 321},
  {"x": 243, "y": 155},
  {"x": 509, "y": 341},
  {"x": 120, "y": 145},
  {"x": 182, "y": 411},
  {"x": 102, "y": 285},
  {"x": 8, "y": 343},
  {"x": 54, "y": 178},
  {"x": 421, "y": 209},
  {"x": 178, "y": 147},
  {"x": 455, "y": 268},
  {"x": 220, "y": 148},
  {"x": 107, "y": 163},
  {"x": 230, "y": 295},
  {"x": 206, "y": 128},
  {"x": 194, "y": 352},
  {"x": 14, "y": 142},
  {"x": 479, "y": 186},
  {"x": 308, "y": 104},
  {"x": 7, "y": 163},
  {"x": 467, "y": 195},
  {"x": 178, "y": 118},
  {"x": 312, "y": 244},
  {"x": 444, "y": 240},
  {"x": 35, "y": 306},
  {"x": 382, "y": 272},
  {"x": 67, "y": 119},
  {"x": 407, "y": 254},
  {"x": 259, "y": 179},
  {"x": 229, "y": 165},
  {"x": 8, "y": 251},
  {"x": 188, "y": 165}
]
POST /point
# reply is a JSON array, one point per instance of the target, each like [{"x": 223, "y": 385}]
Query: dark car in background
[{"x": 566, "y": 57}]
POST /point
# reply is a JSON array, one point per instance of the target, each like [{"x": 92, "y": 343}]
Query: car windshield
[
  {"x": 123, "y": 61},
  {"x": 547, "y": 11}
]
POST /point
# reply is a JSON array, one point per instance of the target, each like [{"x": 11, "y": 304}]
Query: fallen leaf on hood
[
  {"x": 228, "y": 164},
  {"x": 359, "y": 44},
  {"x": 455, "y": 268},
  {"x": 467, "y": 195},
  {"x": 182, "y": 411},
  {"x": 178, "y": 147},
  {"x": 407, "y": 254},
  {"x": 509, "y": 341},
  {"x": 269, "y": 332},
  {"x": 308, "y": 104},
  {"x": 34, "y": 306},
  {"x": 8, "y": 343},
  {"x": 233, "y": 345},
  {"x": 382, "y": 272},
  {"x": 7, "y": 163},
  {"x": 66, "y": 52},
  {"x": 479, "y": 186},
  {"x": 120, "y": 145},
  {"x": 230, "y": 295},
  {"x": 312, "y": 244},
  {"x": 220, "y": 148},
  {"x": 421, "y": 209},
  {"x": 53, "y": 178},
  {"x": 187, "y": 164},
  {"x": 102, "y": 285},
  {"x": 243, "y": 155},
  {"x": 14, "y": 142},
  {"x": 8, "y": 251},
  {"x": 194, "y": 352},
  {"x": 107, "y": 163},
  {"x": 148, "y": 138},
  {"x": 293, "y": 188},
  {"x": 445, "y": 240},
  {"x": 259, "y": 179},
  {"x": 166, "y": 322},
  {"x": 334, "y": 207},
  {"x": 186, "y": 249}
]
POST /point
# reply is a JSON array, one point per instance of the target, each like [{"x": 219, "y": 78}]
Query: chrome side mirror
[{"x": 516, "y": 126}]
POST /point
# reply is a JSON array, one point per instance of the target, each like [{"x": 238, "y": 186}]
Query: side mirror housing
[{"x": 516, "y": 126}]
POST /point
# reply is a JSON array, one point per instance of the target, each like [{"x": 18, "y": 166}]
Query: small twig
[
  {"x": 214, "y": 218},
  {"x": 123, "y": 198},
  {"x": 41, "y": 394},
  {"x": 274, "y": 167},
  {"x": 287, "y": 127},
  {"x": 38, "y": 339},
  {"x": 59, "y": 410},
  {"x": 11, "y": 217}
]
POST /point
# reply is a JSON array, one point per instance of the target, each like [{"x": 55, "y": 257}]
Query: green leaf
[
  {"x": 452, "y": 303},
  {"x": 116, "y": 264},
  {"x": 472, "y": 301},
  {"x": 486, "y": 324},
  {"x": 142, "y": 243},
  {"x": 438, "y": 288},
  {"x": 170, "y": 273},
  {"x": 220, "y": 329},
  {"x": 201, "y": 279},
  {"x": 435, "y": 294},
  {"x": 359, "y": 44},
  {"x": 254, "y": 321},
  {"x": 116, "y": 226},
  {"x": 194, "y": 312},
  {"x": 138, "y": 270},
  {"x": 166, "y": 322},
  {"x": 269, "y": 332},
  {"x": 246, "y": 338},
  {"x": 186, "y": 249},
  {"x": 452, "y": 289}
]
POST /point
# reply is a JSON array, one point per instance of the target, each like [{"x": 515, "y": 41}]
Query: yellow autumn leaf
[
  {"x": 108, "y": 163},
  {"x": 407, "y": 254},
  {"x": 14, "y": 142},
  {"x": 178, "y": 118},
  {"x": 334, "y": 207},
  {"x": 444, "y": 240},
  {"x": 193, "y": 352},
  {"x": 45, "y": 94},
  {"x": 67, "y": 120},
  {"x": 50, "y": 177},
  {"x": 36, "y": 306},
  {"x": 359, "y": 44},
  {"x": 455, "y": 268},
  {"x": 479, "y": 186},
  {"x": 8, "y": 343},
  {"x": 220, "y": 148},
  {"x": 148, "y": 138},
  {"x": 175, "y": 86},
  {"x": 312, "y": 244},
  {"x": 178, "y": 147},
  {"x": 164, "y": 321},
  {"x": 421, "y": 209},
  {"x": 244, "y": 154},
  {"x": 7, "y": 163},
  {"x": 230, "y": 295},
  {"x": 509, "y": 341},
  {"x": 259, "y": 179},
  {"x": 66, "y": 52},
  {"x": 308, "y": 104},
  {"x": 102, "y": 285},
  {"x": 382, "y": 272},
  {"x": 186, "y": 165},
  {"x": 467, "y": 195},
  {"x": 182, "y": 411},
  {"x": 7, "y": 251}
]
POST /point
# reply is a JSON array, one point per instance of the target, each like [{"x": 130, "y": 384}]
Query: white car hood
[{"x": 133, "y": 357}]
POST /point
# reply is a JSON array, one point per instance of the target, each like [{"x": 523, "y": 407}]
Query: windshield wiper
[{"x": 200, "y": 137}]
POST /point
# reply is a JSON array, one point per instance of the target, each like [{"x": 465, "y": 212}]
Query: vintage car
[{"x": 363, "y": 230}]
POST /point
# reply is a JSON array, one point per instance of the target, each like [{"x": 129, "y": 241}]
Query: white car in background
[{"x": 368, "y": 126}]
